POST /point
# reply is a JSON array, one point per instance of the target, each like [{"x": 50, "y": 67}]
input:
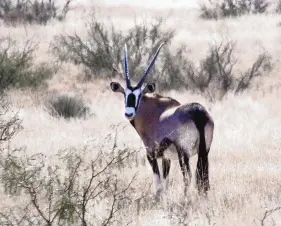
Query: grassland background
[{"x": 245, "y": 163}]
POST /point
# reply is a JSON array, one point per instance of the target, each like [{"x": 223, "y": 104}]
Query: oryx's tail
[{"x": 200, "y": 117}]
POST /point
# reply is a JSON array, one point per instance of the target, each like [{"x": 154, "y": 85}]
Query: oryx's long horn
[
  {"x": 127, "y": 76},
  {"x": 150, "y": 65}
]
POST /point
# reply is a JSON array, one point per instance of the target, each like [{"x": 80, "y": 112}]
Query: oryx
[{"x": 162, "y": 122}]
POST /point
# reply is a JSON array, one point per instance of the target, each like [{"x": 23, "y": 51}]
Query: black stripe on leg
[
  {"x": 153, "y": 162},
  {"x": 202, "y": 173},
  {"x": 186, "y": 162},
  {"x": 184, "y": 165},
  {"x": 181, "y": 162},
  {"x": 166, "y": 164}
]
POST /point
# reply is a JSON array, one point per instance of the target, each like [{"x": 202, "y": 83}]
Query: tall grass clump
[
  {"x": 35, "y": 11},
  {"x": 17, "y": 67},
  {"x": 67, "y": 107}
]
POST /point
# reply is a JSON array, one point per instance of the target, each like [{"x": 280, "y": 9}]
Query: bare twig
[{"x": 268, "y": 213}]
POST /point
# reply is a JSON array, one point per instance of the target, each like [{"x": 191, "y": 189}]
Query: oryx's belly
[{"x": 172, "y": 153}]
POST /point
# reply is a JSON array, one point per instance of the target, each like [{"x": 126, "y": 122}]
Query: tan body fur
[
  {"x": 162, "y": 122},
  {"x": 159, "y": 117}
]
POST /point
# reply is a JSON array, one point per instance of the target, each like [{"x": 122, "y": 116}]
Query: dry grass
[{"x": 245, "y": 155}]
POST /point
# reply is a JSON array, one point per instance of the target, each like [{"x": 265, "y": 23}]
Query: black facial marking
[{"x": 131, "y": 100}]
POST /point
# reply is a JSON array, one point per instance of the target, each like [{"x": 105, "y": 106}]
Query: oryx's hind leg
[
  {"x": 202, "y": 171},
  {"x": 184, "y": 165},
  {"x": 166, "y": 165}
]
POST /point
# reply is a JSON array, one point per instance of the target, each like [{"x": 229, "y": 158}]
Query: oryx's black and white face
[{"x": 132, "y": 94}]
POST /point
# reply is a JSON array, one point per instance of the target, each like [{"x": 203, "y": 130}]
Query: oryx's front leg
[{"x": 153, "y": 162}]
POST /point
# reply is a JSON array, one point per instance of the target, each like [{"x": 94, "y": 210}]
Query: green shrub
[
  {"x": 102, "y": 51},
  {"x": 101, "y": 54},
  {"x": 67, "y": 107},
  {"x": 17, "y": 69},
  {"x": 232, "y": 8},
  {"x": 217, "y": 73},
  {"x": 34, "y": 11}
]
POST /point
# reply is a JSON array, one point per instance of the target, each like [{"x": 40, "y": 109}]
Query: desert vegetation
[
  {"x": 17, "y": 69},
  {"x": 34, "y": 11},
  {"x": 233, "y": 8},
  {"x": 68, "y": 156}
]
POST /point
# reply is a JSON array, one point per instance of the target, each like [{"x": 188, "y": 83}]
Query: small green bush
[
  {"x": 101, "y": 54},
  {"x": 67, "y": 107},
  {"x": 34, "y": 11},
  {"x": 102, "y": 50},
  {"x": 17, "y": 68},
  {"x": 232, "y": 8},
  {"x": 217, "y": 73}
]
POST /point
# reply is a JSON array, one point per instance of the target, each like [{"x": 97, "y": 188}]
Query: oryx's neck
[
  {"x": 150, "y": 109},
  {"x": 153, "y": 105}
]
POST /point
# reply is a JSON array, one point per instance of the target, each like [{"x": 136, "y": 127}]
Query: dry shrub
[
  {"x": 67, "y": 107},
  {"x": 17, "y": 69},
  {"x": 69, "y": 190},
  {"x": 102, "y": 51},
  {"x": 101, "y": 55},
  {"x": 35, "y": 11},
  {"x": 217, "y": 74},
  {"x": 232, "y": 8}
]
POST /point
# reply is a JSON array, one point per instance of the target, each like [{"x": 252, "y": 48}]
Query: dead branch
[{"x": 268, "y": 213}]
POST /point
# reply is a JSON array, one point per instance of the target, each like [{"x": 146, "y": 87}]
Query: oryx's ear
[
  {"x": 116, "y": 87},
  {"x": 149, "y": 88}
]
